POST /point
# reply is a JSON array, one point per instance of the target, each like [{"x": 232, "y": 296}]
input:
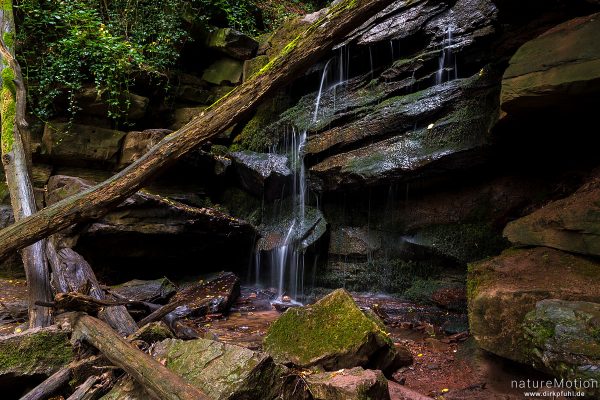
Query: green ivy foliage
[{"x": 65, "y": 44}]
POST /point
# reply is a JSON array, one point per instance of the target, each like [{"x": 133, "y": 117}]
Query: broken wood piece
[
  {"x": 206, "y": 297},
  {"x": 50, "y": 385},
  {"x": 74, "y": 301},
  {"x": 152, "y": 375},
  {"x": 72, "y": 273}
]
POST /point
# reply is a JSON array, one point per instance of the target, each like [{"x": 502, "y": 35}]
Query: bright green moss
[
  {"x": 35, "y": 352},
  {"x": 9, "y": 39},
  {"x": 6, "y": 5},
  {"x": 8, "y": 110},
  {"x": 333, "y": 325}
]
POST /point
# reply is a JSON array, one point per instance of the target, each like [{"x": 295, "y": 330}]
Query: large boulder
[
  {"x": 502, "y": 290},
  {"x": 262, "y": 173},
  {"x": 231, "y": 42},
  {"x": 333, "y": 333},
  {"x": 559, "y": 64},
  {"x": 96, "y": 104},
  {"x": 350, "y": 384},
  {"x": 137, "y": 143},
  {"x": 564, "y": 338},
  {"x": 224, "y": 70},
  {"x": 222, "y": 371},
  {"x": 40, "y": 351},
  {"x": 81, "y": 145},
  {"x": 571, "y": 224}
]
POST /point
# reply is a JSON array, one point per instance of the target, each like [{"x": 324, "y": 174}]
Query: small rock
[{"x": 350, "y": 384}]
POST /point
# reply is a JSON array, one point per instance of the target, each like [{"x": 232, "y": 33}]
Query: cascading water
[
  {"x": 287, "y": 259},
  {"x": 447, "y": 60}
]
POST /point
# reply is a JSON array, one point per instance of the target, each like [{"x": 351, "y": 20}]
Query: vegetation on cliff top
[{"x": 108, "y": 44}]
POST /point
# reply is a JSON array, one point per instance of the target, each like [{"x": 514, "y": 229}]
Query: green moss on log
[
  {"x": 6, "y": 5},
  {"x": 38, "y": 352},
  {"x": 8, "y": 109}
]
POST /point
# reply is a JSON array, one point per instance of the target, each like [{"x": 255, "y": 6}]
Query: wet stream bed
[{"x": 446, "y": 366}]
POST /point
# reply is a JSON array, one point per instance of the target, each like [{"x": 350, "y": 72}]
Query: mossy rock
[
  {"x": 222, "y": 371},
  {"x": 231, "y": 42},
  {"x": 153, "y": 332},
  {"x": 465, "y": 242},
  {"x": 333, "y": 334},
  {"x": 502, "y": 290},
  {"x": 254, "y": 135},
  {"x": 565, "y": 339},
  {"x": 33, "y": 352}
]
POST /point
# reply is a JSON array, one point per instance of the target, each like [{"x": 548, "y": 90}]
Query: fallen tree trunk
[
  {"x": 72, "y": 274},
  {"x": 295, "y": 58},
  {"x": 153, "y": 376},
  {"x": 14, "y": 143}
]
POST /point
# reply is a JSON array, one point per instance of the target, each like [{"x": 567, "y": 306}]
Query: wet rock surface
[
  {"x": 305, "y": 233},
  {"x": 262, "y": 174}
]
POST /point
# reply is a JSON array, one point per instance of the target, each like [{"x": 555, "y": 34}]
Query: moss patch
[
  {"x": 8, "y": 109},
  {"x": 332, "y": 327},
  {"x": 31, "y": 353}
]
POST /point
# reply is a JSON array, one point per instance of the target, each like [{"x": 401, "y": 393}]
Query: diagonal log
[
  {"x": 295, "y": 58},
  {"x": 153, "y": 376}
]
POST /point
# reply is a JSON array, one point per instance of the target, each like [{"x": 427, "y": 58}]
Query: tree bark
[
  {"x": 71, "y": 273},
  {"x": 15, "y": 161},
  {"x": 152, "y": 375},
  {"x": 295, "y": 58}
]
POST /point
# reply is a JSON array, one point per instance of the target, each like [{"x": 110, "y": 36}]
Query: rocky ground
[{"x": 445, "y": 366}]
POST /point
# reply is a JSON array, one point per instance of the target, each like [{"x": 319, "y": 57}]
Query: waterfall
[
  {"x": 286, "y": 261},
  {"x": 447, "y": 60}
]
